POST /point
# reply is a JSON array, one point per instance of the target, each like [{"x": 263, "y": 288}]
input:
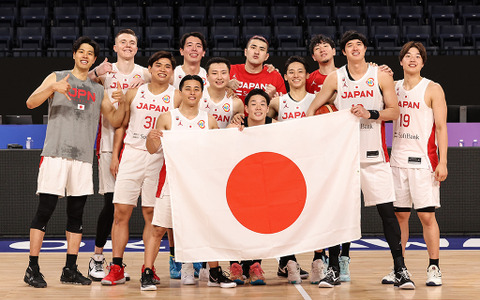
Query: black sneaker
[
  {"x": 147, "y": 282},
  {"x": 403, "y": 281},
  {"x": 34, "y": 278},
  {"x": 331, "y": 279},
  {"x": 218, "y": 279},
  {"x": 74, "y": 276},
  {"x": 283, "y": 272}
]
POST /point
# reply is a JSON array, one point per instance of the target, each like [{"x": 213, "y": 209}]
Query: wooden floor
[{"x": 461, "y": 270}]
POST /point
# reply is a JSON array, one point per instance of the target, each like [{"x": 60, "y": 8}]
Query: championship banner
[{"x": 266, "y": 191}]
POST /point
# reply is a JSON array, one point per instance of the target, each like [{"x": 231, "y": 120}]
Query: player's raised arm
[
  {"x": 49, "y": 86},
  {"x": 329, "y": 88}
]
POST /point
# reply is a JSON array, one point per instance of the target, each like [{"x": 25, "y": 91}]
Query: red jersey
[
  {"x": 315, "y": 82},
  {"x": 260, "y": 80}
]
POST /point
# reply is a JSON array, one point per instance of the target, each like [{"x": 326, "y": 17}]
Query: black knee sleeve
[
  {"x": 391, "y": 228},
  {"x": 46, "y": 207},
  {"x": 105, "y": 221},
  {"x": 75, "y": 205}
]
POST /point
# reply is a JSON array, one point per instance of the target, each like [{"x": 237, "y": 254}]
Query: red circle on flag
[{"x": 266, "y": 192}]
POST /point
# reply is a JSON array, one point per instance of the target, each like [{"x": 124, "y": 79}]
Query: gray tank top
[{"x": 72, "y": 124}]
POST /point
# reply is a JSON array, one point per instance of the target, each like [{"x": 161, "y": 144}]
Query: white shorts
[
  {"x": 57, "y": 174},
  {"x": 415, "y": 187},
  {"x": 376, "y": 180},
  {"x": 137, "y": 174},
  {"x": 162, "y": 213},
  {"x": 106, "y": 181}
]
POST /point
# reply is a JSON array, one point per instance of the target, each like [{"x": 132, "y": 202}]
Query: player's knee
[
  {"x": 74, "y": 225},
  {"x": 75, "y": 206},
  {"x": 46, "y": 207}
]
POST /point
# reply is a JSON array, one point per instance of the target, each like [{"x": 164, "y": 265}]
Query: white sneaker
[
  {"x": 96, "y": 270},
  {"x": 434, "y": 276},
  {"x": 293, "y": 270},
  {"x": 204, "y": 274},
  {"x": 389, "y": 279},
  {"x": 188, "y": 274},
  {"x": 318, "y": 271}
]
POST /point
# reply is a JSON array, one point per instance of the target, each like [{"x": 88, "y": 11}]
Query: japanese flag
[{"x": 269, "y": 191}]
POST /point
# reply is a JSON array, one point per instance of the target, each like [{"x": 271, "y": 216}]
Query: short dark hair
[
  {"x": 86, "y": 40},
  {"x": 293, "y": 59},
  {"x": 127, "y": 31},
  {"x": 320, "y": 39},
  {"x": 259, "y": 38},
  {"x": 190, "y": 77},
  {"x": 195, "y": 34},
  {"x": 352, "y": 35},
  {"x": 413, "y": 44},
  {"x": 161, "y": 54},
  {"x": 217, "y": 60},
  {"x": 257, "y": 92}
]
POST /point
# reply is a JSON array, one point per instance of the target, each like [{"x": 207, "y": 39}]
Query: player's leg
[
  {"x": 344, "y": 262},
  {"x": 403, "y": 216},
  {"x": 217, "y": 278},
  {"x": 148, "y": 280},
  {"x": 431, "y": 235}
]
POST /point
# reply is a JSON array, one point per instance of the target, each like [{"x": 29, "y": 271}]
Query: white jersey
[
  {"x": 365, "y": 91},
  {"x": 144, "y": 112},
  {"x": 178, "y": 74},
  {"x": 289, "y": 108},
  {"x": 106, "y": 131},
  {"x": 221, "y": 111},
  {"x": 414, "y": 142}
]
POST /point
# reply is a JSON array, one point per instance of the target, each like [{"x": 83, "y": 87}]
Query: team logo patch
[
  {"x": 226, "y": 107},
  {"x": 81, "y": 107},
  {"x": 370, "y": 82},
  {"x": 136, "y": 76},
  {"x": 204, "y": 80},
  {"x": 166, "y": 99},
  {"x": 201, "y": 124}
]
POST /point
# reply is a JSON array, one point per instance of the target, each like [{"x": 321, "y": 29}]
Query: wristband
[
  {"x": 374, "y": 114},
  {"x": 95, "y": 72}
]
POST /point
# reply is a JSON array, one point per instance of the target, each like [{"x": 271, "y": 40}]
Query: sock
[
  {"x": 334, "y": 252},
  {"x": 398, "y": 263},
  {"x": 172, "y": 251},
  {"x": 345, "y": 250},
  {"x": 204, "y": 265},
  {"x": 98, "y": 257},
  {"x": 214, "y": 272},
  {"x": 71, "y": 261},
  {"x": 118, "y": 261},
  {"x": 434, "y": 262},
  {"x": 318, "y": 255},
  {"x": 33, "y": 261}
]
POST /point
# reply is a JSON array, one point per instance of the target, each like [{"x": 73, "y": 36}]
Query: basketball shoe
[
  {"x": 147, "y": 282},
  {"x": 402, "y": 280},
  {"x": 318, "y": 271},
  {"x": 34, "y": 278},
  {"x": 331, "y": 279},
  {"x": 73, "y": 276},
  {"x": 283, "y": 272},
  {"x": 175, "y": 268},
  {"x": 293, "y": 270},
  {"x": 95, "y": 267},
  {"x": 344, "y": 262},
  {"x": 256, "y": 274},
  {"x": 115, "y": 276},
  {"x": 204, "y": 274},
  {"x": 156, "y": 279},
  {"x": 236, "y": 273},
  {"x": 188, "y": 274},
  {"x": 217, "y": 278},
  {"x": 434, "y": 276},
  {"x": 389, "y": 278}
]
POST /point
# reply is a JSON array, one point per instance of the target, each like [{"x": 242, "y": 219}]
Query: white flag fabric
[{"x": 268, "y": 191}]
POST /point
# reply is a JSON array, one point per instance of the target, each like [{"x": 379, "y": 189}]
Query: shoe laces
[
  {"x": 404, "y": 274},
  {"x": 435, "y": 272},
  {"x": 236, "y": 270},
  {"x": 99, "y": 265},
  {"x": 330, "y": 273},
  {"x": 257, "y": 269}
]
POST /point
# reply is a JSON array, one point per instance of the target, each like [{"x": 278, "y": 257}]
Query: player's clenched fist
[
  {"x": 155, "y": 134},
  {"x": 62, "y": 86}
]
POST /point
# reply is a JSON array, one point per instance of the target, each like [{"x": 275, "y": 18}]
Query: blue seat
[
  {"x": 192, "y": 15},
  {"x": 329, "y": 31},
  {"x": 225, "y": 37},
  {"x": 348, "y": 15},
  {"x": 316, "y": 15},
  {"x": 223, "y": 15},
  {"x": 289, "y": 36},
  {"x": 469, "y": 14},
  {"x": 378, "y": 15},
  {"x": 159, "y": 15},
  {"x": 419, "y": 33},
  {"x": 100, "y": 34},
  {"x": 441, "y": 15},
  {"x": 254, "y": 15},
  {"x": 250, "y": 31},
  {"x": 30, "y": 37},
  {"x": 126, "y": 16},
  {"x": 66, "y": 16},
  {"x": 98, "y": 16},
  {"x": 7, "y": 17},
  {"x": 159, "y": 37},
  {"x": 386, "y": 36},
  {"x": 410, "y": 15},
  {"x": 63, "y": 37},
  {"x": 186, "y": 29},
  {"x": 33, "y": 16},
  {"x": 451, "y": 35},
  {"x": 285, "y": 15}
]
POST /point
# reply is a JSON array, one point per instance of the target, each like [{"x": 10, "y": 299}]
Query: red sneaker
[
  {"x": 156, "y": 279},
  {"x": 115, "y": 276}
]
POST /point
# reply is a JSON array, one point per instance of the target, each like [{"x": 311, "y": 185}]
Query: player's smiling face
[
  {"x": 323, "y": 52},
  {"x": 257, "y": 108},
  {"x": 84, "y": 56},
  {"x": 191, "y": 92},
  {"x": 412, "y": 62},
  {"x": 193, "y": 50},
  {"x": 161, "y": 70},
  {"x": 126, "y": 46},
  {"x": 296, "y": 75},
  {"x": 218, "y": 75},
  {"x": 355, "y": 50}
]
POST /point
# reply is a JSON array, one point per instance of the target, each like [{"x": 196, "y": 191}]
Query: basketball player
[
  {"x": 75, "y": 103},
  {"x": 129, "y": 75},
  {"x": 370, "y": 95},
  {"x": 187, "y": 117},
  {"x": 416, "y": 167},
  {"x": 192, "y": 48},
  {"x": 138, "y": 172},
  {"x": 256, "y": 107},
  {"x": 253, "y": 74}
]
